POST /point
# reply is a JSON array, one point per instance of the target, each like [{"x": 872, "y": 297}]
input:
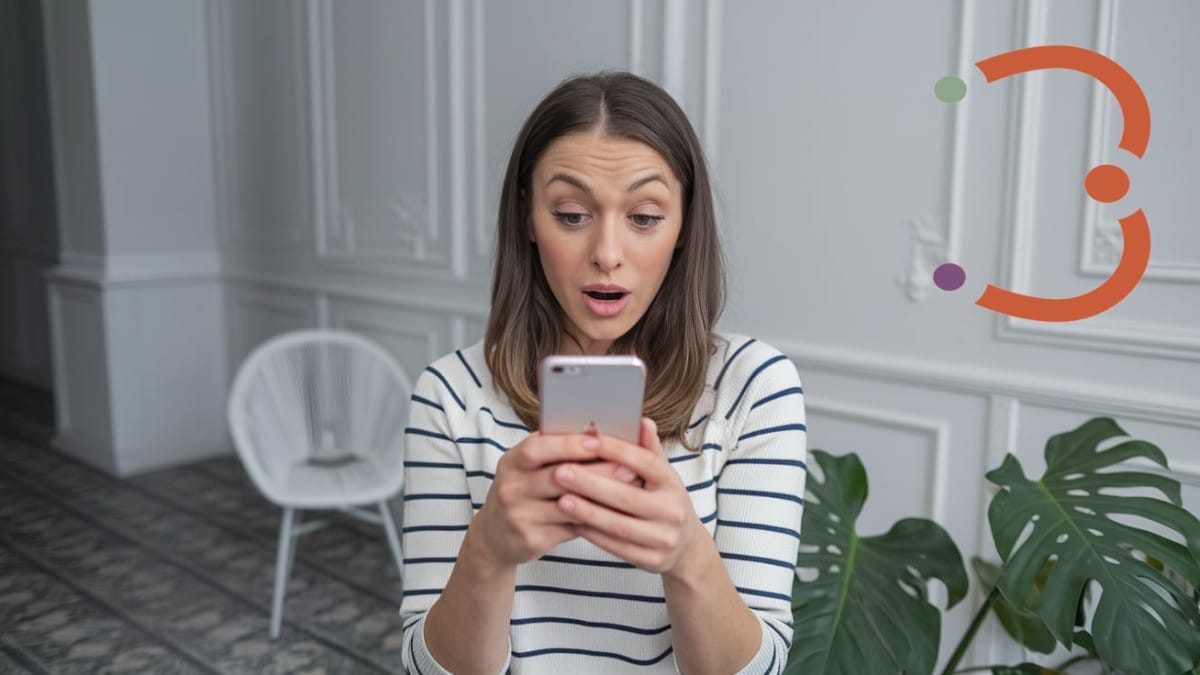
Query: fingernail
[
  {"x": 625, "y": 473},
  {"x": 567, "y": 504},
  {"x": 565, "y": 473},
  {"x": 591, "y": 443}
]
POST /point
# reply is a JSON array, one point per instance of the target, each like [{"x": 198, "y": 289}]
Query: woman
[{"x": 582, "y": 554}]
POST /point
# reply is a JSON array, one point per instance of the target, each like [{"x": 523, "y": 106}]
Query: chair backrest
[{"x": 321, "y": 397}]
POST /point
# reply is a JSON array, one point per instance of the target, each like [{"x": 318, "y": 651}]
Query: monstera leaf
[
  {"x": 1022, "y": 624},
  {"x": 1142, "y": 623},
  {"x": 865, "y": 611}
]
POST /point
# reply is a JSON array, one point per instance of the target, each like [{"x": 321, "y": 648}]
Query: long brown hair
[{"x": 675, "y": 336}]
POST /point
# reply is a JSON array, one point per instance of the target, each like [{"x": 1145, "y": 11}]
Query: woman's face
[{"x": 606, "y": 215}]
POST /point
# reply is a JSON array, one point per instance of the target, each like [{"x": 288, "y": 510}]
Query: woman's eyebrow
[{"x": 571, "y": 180}]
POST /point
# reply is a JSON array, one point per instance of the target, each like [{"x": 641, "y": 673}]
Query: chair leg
[
  {"x": 283, "y": 561},
  {"x": 389, "y": 527}
]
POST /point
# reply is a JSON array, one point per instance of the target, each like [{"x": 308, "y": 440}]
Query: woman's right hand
[{"x": 520, "y": 519}]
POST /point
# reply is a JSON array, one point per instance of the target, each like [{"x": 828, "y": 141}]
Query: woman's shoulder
[
  {"x": 742, "y": 363},
  {"x": 457, "y": 376}
]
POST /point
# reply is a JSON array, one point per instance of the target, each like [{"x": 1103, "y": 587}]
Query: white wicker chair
[{"x": 318, "y": 420}]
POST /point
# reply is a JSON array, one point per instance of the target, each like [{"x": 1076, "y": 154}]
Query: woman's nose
[{"x": 606, "y": 245}]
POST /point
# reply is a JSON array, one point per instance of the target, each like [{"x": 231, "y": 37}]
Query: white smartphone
[{"x": 578, "y": 393}]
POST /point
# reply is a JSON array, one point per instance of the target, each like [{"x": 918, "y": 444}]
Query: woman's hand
[
  {"x": 651, "y": 527},
  {"x": 519, "y": 521}
]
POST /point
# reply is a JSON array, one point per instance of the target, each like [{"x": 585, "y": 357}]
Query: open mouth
[{"x": 606, "y": 296}]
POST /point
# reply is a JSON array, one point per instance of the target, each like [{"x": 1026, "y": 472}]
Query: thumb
[{"x": 649, "y": 435}]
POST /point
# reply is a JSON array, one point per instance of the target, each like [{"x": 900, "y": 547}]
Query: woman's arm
[
  {"x": 712, "y": 630},
  {"x": 466, "y": 630}
]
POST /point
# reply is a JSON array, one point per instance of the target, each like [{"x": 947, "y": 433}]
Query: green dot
[{"x": 950, "y": 89}]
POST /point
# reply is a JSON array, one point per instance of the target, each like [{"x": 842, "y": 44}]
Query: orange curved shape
[
  {"x": 1135, "y": 255},
  {"x": 1135, "y": 133},
  {"x": 1135, "y": 136}
]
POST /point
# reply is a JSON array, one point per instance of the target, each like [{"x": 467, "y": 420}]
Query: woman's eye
[
  {"x": 646, "y": 222},
  {"x": 571, "y": 219}
]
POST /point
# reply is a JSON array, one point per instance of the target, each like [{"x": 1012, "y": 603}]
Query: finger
[
  {"x": 648, "y": 436},
  {"x": 540, "y": 449},
  {"x": 604, "y": 490},
  {"x": 617, "y": 525},
  {"x": 613, "y": 470},
  {"x": 542, "y": 512},
  {"x": 649, "y": 464}
]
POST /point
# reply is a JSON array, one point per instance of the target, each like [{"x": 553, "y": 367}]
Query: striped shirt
[{"x": 579, "y": 609}]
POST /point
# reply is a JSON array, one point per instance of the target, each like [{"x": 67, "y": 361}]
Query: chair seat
[{"x": 348, "y": 480}]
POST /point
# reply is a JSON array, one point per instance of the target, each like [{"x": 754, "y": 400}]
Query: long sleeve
[
  {"x": 760, "y": 495},
  {"x": 437, "y": 509}
]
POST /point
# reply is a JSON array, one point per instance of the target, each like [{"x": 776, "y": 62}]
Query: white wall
[{"x": 359, "y": 147}]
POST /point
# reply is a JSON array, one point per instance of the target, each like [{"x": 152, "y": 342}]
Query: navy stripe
[
  {"x": 485, "y": 441},
  {"x": 771, "y": 361},
  {"x": 763, "y": 594},
  {"x": 446, "y": 382},
  {"x": 435, "y": 495},
  {"x": 486, "y": 474},
  {"x": 760, "y": 493},
  {"x": 771, "y": 430},
  {"x": 510, "y": 425},
  {"x": 583, "y": 561},
  {"x": 421, "y": 561},
  {"x": 476, "y": 505},
  {"x": 590, "y": 652},
  {"x": 698, "y": 422},
  {"x": 711, "y": 446},
  {"x": 425, "y": 432},
  {"x": 683, "y": 458},
  {"x": 780, "y": 462},
  {"x": 787, "y": 641},
  {"x": 412, "y": 653},
  {"x": 780, "y": 394},
  {"x": 592, "y": 594},
  {"x": 431, "y": 404},
  {"x": 421, "y": 591},
  {"x": 590, "y": 624},
  {"x": 468, "y": 367},
  {"x": 709, "y": 517},
  {"x": 758, "y": 526},
  {"x": 725, "y": 367},
  {"x": 771, "y": 667},
  {"x": 700, "y": 486},
  {"x": 432, "y": 465},
  {"x": 758, "y": 559},
  {"x": 434, "y": 528}
]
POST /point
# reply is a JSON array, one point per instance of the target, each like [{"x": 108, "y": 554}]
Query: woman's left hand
[{"x": 651, "y": 527}]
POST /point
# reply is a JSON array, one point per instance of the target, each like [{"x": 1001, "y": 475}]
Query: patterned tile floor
[{"x": 171, "y": 571}]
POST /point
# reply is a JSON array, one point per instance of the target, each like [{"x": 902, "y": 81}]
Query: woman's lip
[
  {"x": 604, "y": 288},
  {"x": 606, "y": 308}
]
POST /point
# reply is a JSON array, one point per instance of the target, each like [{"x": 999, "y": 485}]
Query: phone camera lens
[{"x": 557, "y": 369}]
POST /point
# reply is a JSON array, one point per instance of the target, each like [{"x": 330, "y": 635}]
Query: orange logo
[{"x": 1105, "y": 183}]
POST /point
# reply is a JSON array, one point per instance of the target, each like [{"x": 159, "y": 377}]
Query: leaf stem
[{"x": 967, "y": 637}]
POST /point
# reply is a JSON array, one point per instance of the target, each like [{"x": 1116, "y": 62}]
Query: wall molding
[
  {"x": 937, "y": 431},
  {"x": 335, "y": 226},
  {"x": 1101, "y": 246},
  {"x": 302, "y": 283},
  {"x": 937, "y": 237},
  {"x": 133, "y": 270},
  {"x": 1137, "y": 338},
  {"x": 985, "y": 382}
]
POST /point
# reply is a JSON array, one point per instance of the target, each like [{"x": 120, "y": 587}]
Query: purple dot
[{"x": 949, "y": 277}]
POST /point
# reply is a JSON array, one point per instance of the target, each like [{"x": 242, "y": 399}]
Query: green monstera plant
[{"x": 1071, "y": 574}]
